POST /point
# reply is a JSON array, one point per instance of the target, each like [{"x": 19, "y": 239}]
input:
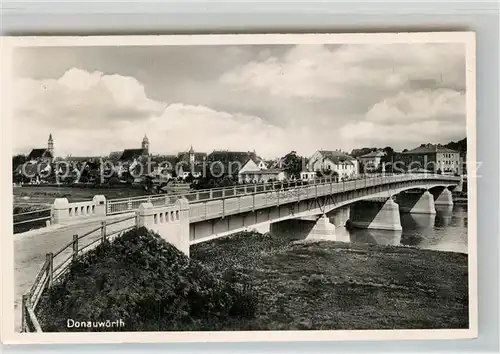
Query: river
[{"x": 444, "y": 231}]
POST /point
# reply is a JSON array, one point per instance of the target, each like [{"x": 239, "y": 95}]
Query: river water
[{"x": 444, "y": 231}]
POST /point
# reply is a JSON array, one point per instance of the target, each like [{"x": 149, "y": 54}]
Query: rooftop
[
  {"x": 336, "y": 156},
  {"x": 39, "y": 153},
  {"x": 430, "y": 148},
  {"x": 271, "y": 171},
  {"x": 373, "y": 154}
]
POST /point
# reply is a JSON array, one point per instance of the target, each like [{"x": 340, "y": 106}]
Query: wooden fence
[{"x": 56, "y": 264}]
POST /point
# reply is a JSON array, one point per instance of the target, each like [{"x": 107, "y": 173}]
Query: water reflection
[
  {"x": 445, "y": 231},
  {"x": 379, "y": 237}
]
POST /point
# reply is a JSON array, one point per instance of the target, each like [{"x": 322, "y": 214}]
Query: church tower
[
  {"x": 191, "y": 155},
  {"x": 50, "y": 146},
  {"x": 145, "y": 143}
]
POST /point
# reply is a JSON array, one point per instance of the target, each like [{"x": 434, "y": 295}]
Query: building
[
  {"x": 194, "y": 170},
  {"x": 145, "y": 144},
  {"x": 192, "y": 157},
  {"x": 43, "y": 154},
  {"x": 434, "y": 158},
  {"x": 330, "y": 162},
  {"x": 308, "y": 175},
  {"x": 229, "y": 163},
  {"x": 371, "y": 161},
  {"x": 262, "y": 176},
  {"x": 131, "y": 155}
]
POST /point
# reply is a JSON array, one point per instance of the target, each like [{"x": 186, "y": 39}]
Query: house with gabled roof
[
  {"x": 372, "y": 160},
  {"x": 329, "y": 161},
  {"x": 234, "y": 163}
]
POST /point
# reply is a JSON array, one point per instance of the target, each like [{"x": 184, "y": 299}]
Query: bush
[{"x": 147, "y": 283}]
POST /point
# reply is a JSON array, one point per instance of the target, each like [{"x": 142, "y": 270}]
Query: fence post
[
  {"x": 103, "y": 231},
  {"x": 49, "y": 259},
  {"x": 75, "y": 247},
  {"x": 24, "y": 313}
]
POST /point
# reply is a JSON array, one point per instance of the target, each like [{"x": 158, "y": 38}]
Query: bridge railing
[
  {"x": 123, "y": 205},
  {"x": 57, "y": 264},
  {"x": 203, "y": 209},
  {"x": 31, "y": 219}
]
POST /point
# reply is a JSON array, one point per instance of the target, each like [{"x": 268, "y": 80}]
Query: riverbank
[
  {"x": 282, "y": 286},
  {"x": 334, "y": 285}
]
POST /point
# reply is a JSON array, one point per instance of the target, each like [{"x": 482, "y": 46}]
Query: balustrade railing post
[
  {"x": 75, "y": 247},
  {"x": 129, "y": 204},
  {"x": 49, "y": 259},
  {"x": 103, "y": 231}
]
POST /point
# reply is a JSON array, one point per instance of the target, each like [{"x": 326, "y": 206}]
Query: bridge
[
  {"x": 198, "y": 216},
  {"x": 195, "y": 217}
]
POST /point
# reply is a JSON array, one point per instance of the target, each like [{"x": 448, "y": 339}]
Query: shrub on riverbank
[
  {"x": 253, "y": 281},
  {"x": 150, "y": 285}
]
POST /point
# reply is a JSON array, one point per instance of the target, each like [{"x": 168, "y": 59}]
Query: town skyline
[
  {"x": 281, "y": 97},
  {"x": 106, "y": 154}
]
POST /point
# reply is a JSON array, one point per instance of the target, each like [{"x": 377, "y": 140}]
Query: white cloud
[
  {"x": 305, "y": 98},
  {"x": 408, "y": 107},
  {"x": 170, "y": 127},
  {"x": 317, "y": 71}
]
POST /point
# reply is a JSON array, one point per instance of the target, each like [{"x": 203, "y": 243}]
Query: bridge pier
[
  {"x": 421, "y": 203},
  {"x": 323, "y": 229},
  {"x": 375, "y": 214},
  {"x": 444, "y": 198},
  {"x": 170, "y": 222},
  {"x": 301, "y": 229}
]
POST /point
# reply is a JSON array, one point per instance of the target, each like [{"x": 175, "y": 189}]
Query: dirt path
[{"x": 30, "y": 250}]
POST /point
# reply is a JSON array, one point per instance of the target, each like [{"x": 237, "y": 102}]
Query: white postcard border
[{"x": 9, "y": 336}]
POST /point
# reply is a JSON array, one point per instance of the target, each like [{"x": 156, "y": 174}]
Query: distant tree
[
  {"x": 363, "y": 151},
  {"x": 293, "y": 164},
  {"x": 113, "y": 181},
  {"x": 18, "y": 160},
  {"x": 460, "y": 146},
  {"x": 388, "y": 159},
  {"x": 189, "y": 178}
]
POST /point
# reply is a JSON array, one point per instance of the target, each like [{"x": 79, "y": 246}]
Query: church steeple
[
  {"x": 191, "y": 154},
  {"x": 145, "y": 143},
  {"x": 50, "y": 145}
]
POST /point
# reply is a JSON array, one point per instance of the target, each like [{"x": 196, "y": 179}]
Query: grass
[
  {"x": 333, "y": 285},
  {"x": 252, "y": 281}
]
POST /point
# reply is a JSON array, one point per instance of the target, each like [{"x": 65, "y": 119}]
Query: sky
[{"x": 269, "y": 98}]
